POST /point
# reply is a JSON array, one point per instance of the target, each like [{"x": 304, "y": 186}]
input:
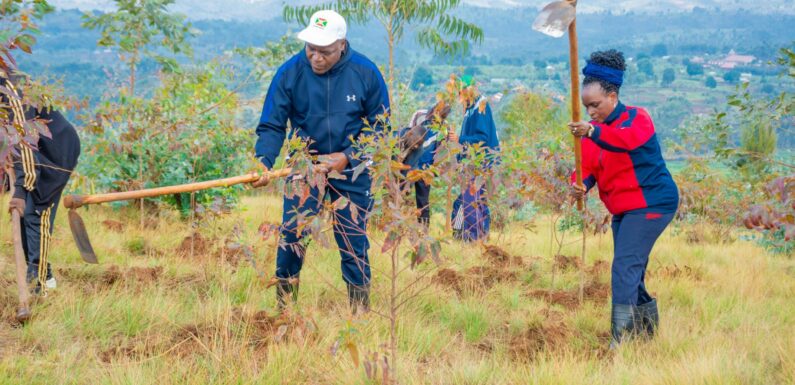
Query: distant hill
[
  {"x": 67, "y": 50},
  {"x": 267, "y": 9}
]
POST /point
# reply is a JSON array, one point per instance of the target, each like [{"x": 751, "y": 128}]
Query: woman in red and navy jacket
[{"x": 621, "y": 155}]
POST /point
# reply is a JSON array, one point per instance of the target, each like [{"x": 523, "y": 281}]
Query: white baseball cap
[{"x": 325, "y": 27}]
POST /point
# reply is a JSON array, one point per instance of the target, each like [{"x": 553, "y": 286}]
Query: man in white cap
[{"x": 329, "y": 93}]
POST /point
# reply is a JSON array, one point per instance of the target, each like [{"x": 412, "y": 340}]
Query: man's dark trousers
[{"x": 350, "y": 233}]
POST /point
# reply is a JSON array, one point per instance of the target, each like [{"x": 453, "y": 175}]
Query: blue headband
[{"x": 610, "y": 75}]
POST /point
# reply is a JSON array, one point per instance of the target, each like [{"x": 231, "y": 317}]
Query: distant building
[
  {"x": 733, "y": 60},
  {"x": 745, "y": 77}
]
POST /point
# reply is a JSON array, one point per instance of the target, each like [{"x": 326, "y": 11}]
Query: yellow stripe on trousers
[{"x": 44, "y": 249}]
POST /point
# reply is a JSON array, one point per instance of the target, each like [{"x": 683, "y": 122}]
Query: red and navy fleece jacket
[{"x": 623, "y": 157}]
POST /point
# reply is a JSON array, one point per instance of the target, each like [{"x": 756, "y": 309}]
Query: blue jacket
[
  {"x": 428, "y": 149},
  {"x": 329, "y": 109},
  {"x": 478, "y": 127}
]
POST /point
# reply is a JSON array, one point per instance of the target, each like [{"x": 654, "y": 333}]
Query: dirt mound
[
  {"x": 207, "y": 248},
  {"x": 487, "y": 276},
  {"x": 144, "y": 275},
  {"x": 498, "y": 256},
  {"x": 449, "y": 278},
  {"x": 110, "y": 276},
  {"x": 256, "y": 330},
  {"x": 565, "y": 298},
  {"x": 547, "y": 337},
  {"x": 114, "y": 226},
  {"x": 598, "y": 268},
  {"x": 134, "y": 349},
  {"x": 197, "y": 242},
  {"x": 596, "y": 291},
  {"x": 137, "y": 275},
  {"x": 477, "y": 278},
  {"x": 593, "y": 291},
  {"x": 563, "y": 262}
]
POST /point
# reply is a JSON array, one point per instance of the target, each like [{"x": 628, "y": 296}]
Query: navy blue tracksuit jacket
[{"x": 330, "y": 110}]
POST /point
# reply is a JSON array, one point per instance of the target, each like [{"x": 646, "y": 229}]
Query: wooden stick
[
  {"x": 75, "y": 201},
  {"x": 19, "y": 251},
  {"x": 575, "y": 102}
]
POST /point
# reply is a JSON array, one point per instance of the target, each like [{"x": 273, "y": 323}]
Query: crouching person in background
[{"x": 421, "y": 138}]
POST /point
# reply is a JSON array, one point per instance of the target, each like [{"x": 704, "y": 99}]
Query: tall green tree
[
  {"x": 422, "y": 78},
  {"x": 668, "y": 77},
  {"x": 137, "y": 29},
  {"x": 732, "y": 76},
  {"x": 646, "y": 67},
  {"x": 436, "y": 28},
  {"x": 711, "y": 82},
  {"x": 694, "y": 69}
]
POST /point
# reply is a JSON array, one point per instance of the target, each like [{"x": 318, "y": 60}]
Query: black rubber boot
[
  {"x": 286, "y": 289},
  {"x": 359, "y": 297},
  {"x": 650, "y": 318},
  {"x": 624, "y": 323}
]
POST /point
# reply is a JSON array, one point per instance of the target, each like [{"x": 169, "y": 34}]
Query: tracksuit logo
[{"x": 351, "y": 98}]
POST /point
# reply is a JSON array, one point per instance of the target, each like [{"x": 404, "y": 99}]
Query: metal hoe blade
[
  {"x": 555, "y": 18},
  {"x": 81, "y": 237}
]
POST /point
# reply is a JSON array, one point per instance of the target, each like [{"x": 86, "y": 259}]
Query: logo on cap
[{"x": 321, "y": 23}]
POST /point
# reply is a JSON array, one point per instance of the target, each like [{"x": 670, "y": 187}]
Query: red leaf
[
  {"x": 304, "y": 195},
  {"x": 390, "y": 242}
]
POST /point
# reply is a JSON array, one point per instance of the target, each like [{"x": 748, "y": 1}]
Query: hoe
[{"x": 72, "y": 202}]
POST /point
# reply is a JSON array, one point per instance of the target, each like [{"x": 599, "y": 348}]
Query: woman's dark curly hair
[{"x": 610, "y": 58}]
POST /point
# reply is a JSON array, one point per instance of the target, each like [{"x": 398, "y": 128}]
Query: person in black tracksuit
[{"x": 42, "y": 170}]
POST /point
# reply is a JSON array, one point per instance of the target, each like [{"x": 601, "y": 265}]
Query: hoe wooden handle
[
  {"x": 75, "y": 201},
  {"x": 575, "y": 103},
  {"x": 23, "y": 313}
]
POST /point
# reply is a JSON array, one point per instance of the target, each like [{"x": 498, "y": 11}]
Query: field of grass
[{"x": 151, "y": 313}]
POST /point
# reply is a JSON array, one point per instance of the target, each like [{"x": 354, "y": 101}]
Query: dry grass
[{"x": 151, "y": 314}]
